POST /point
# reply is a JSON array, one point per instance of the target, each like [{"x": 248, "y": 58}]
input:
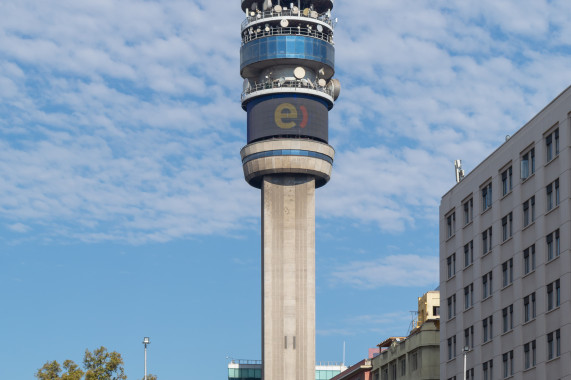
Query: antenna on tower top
[{"x": 459, "y": 170}]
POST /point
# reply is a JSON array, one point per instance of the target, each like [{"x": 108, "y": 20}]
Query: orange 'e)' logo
[{"x": 286, "y": 113}]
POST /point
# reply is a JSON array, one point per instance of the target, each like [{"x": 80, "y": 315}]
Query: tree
[
  {"x": 49, "y": 371},
  {"x": 72, "y": 371},
  {"x": 103, "y": 365},
  {"x": 150, "y": 377},
  {"x": 98, "y": 365}
]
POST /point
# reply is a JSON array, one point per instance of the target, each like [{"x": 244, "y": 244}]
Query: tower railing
[
  {"x": 293, "y": 84},
  {"x": 289, "y": 31},
  {"x": 286, "y": 13}
]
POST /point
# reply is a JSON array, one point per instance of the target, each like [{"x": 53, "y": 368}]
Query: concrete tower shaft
[{"x": 287, "y": 61}]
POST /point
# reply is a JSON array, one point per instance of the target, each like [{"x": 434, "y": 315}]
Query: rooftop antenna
[
  {"x": 413, "y": 322},
  {"x": 459, "y": 170},
  {"x": 343, "y": 353}
]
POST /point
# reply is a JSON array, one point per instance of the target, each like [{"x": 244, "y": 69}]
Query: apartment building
[{"x": 505, "y": 266}]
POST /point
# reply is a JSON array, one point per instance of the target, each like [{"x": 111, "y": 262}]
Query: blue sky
[{"x": 123, "y": 209}]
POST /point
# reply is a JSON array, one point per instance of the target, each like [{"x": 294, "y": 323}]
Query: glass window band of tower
[
  {"x": 279, "y": 47},
  {"x": 288, "y": 152}
]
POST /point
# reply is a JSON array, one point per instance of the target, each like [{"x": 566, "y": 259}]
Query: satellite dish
[
  {"x": 284, "y": 23},
  {"x": 320, "y": 28},
  {"x": 299, "y": 72},
  {"x": 335, "y": 87},
  {"x": 295, "y": 10},
  {"x": 267, "y": 28},
  {"x": 281, "y": 81},
  {"x": 306, "y": 12},
  {"x": 313, "y": 14},
  {"x": 278, "y": 8},
  {"x": 321, "y": 82}
]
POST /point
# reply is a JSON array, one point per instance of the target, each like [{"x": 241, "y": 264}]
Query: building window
[
  {"x": 508, "y": 318},
  {"x": 469, "y": 253},
  {"x": 452, "y": 306},
  {"x": 402, "y": 362},
  {"x": 552, "y": 194},
  {"x": 528, "y": 163},
  {"x": 450, "y": 225},
  {"x": 487, "y": 370},
  {"x": 507, "y": 181},
  {"x": 487, "y": 196},
  {"x": 554, "y": 344},
  {"x": 394, "y": 371},
  {"x": 469, "y": 337},
  {"x": 553, "y": 295},
  {"x": 529, "y": 354},
  {"x": 553, "y": 245},
  {"x": 487, "y": 330},
  {"x": 468, "y": 211},
  {"x": 507, "y": 272},
  {"x": 468, "y": 296},
  {"x": 529, "y": 211},
  {"x": 451, "y": 265},
  {"x": 470, "y": 374},
  {"x": 452, "y": 347},
  {"x": 529, "y": 259},
  {"x": 529, "y": 309},
  {"x": 414, "y": 361},
  {"x": 552, "y": 145},
  {"x": 487, "y": 285},
  {"x": 507, "y": 226},
  {"x": 508, "y": 364},
  {"x": 487, "y": 241}
]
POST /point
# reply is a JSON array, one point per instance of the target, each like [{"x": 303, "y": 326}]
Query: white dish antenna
[
  {"x": 295, "y": 10},
  {"x": 320, "y": 28},
  {"x": 335, "y": 87},
  {"x": 267, "y": 28},
  {"x": 306, "y": 12},
  {"x": 299, "y": 72},
  {"x": 321, "y": 82},
  {"x": 278, "y": 9},
  {"x": 284, "y": 23},
  {"x": 313, "y": 14}
]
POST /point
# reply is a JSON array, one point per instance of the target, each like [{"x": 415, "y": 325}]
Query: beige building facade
[
  {"x": 505, "y": 268},
  {"x": 415, "y": 357}
]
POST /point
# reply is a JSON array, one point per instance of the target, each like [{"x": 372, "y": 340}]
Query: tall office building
[
  {"x": 505, "y": 265},
  {"x": 287, "y": 62}
]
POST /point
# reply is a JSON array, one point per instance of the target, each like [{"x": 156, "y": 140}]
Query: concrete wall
[{"x": 288, "y": 278}]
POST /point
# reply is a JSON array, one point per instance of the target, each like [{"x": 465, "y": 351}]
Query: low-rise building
[
  {"x": 240, "y": 369},
  {"x": 359, "y": 371}
]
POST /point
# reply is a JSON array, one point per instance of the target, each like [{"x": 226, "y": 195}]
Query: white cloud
[
  {"x": 121, "y": 120},
  {"x": 393, "y": 270},
  {"x": 18, "y": 227}
]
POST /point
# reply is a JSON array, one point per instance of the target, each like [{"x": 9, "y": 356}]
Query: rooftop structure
[
  {"x": 287, "y": 62},
  {"x": 239, "y": 369},
  {"x": 505, "y": 268}
]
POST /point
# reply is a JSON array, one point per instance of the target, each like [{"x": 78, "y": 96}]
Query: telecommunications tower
[{"x": 287, "y": 62}]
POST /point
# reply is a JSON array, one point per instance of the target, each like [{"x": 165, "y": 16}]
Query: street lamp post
[
  {"x": 465, "y": 351},
  {"x": 145, "y": 342}
]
